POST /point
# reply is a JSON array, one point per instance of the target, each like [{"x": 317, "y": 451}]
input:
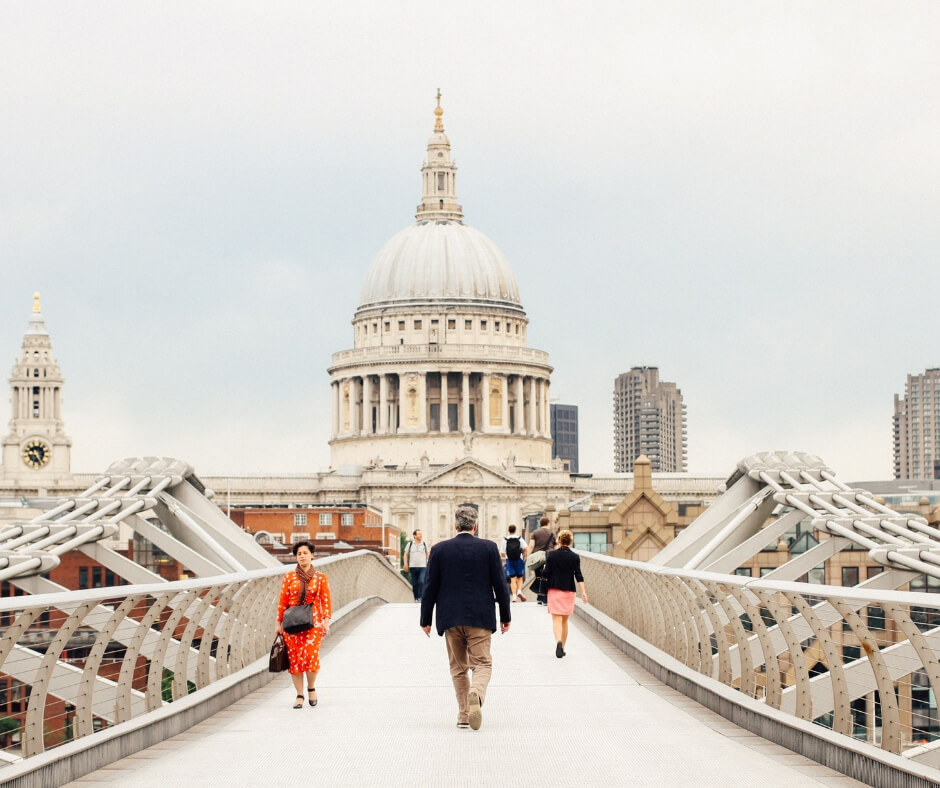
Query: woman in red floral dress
[{"x": 303, "y": 648}]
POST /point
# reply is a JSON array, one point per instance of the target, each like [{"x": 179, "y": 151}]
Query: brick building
[{"x": 333, "y": 529}]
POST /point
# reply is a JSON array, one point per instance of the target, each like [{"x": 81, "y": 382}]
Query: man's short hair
[
  {"x": 465, "y": 518},
  {"x": 512, "y": 529},
  {"x": 416, "y": 531},
  {"x": 544, "y": 522}
]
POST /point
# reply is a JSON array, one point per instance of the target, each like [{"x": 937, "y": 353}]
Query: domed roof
[{"x": 439, "y": 260}]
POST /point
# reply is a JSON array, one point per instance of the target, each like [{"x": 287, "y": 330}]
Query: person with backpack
[
  {"x": 416, "y": 562},
  {"x": 514, "y": 551}
]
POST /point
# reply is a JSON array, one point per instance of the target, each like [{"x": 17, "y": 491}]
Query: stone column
[
  {"x": 485, "y": 401},
  {"x": 445, "y": 423},
  {"x": 520, "y": 408},
  {"x": 336, "y": 406},
  {"x": 423, "y": 402},
  {"x": 505, "y": 403},
  {"x": 546, "y": 410},
  {"x": 531, "y": 409},
  {"x": 353, "y": 406},
  {"x": 465, "y": 402},
  {"x": 366, "y": 405},
  {"x": 383, "y": 405}
]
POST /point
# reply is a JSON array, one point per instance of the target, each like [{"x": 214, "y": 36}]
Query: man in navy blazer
[{"x": 463, "y": 576}]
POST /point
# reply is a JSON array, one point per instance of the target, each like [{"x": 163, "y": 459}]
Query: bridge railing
[
  {"x": 78, "y": 663},
  {"x": 859, "y": 661}
]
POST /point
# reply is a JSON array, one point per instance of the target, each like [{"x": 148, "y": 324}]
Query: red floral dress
[{"x": 303, "y": 648}]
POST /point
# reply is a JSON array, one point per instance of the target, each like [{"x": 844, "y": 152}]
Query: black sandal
[
  {"x": 309, "y": 690},
  {"x": 299, "y": 705}
]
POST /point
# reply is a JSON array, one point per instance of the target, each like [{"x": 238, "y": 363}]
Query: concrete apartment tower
[
  {"x": 649, "y": 419},
  {"x": 917, "y": 427}
]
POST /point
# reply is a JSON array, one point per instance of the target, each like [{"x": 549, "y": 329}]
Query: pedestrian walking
[
  {"x": 305, "y": 585},
  {"x": 514, "y": 551},
  {"x": 542, "y": 539},
  {"x": 561, "y": 572},
  {"x": 464, "y": 574},
  {"x": 416, "y": 555}
]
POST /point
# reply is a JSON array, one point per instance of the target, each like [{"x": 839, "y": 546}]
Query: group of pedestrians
[{"x": 465, "y": 581}]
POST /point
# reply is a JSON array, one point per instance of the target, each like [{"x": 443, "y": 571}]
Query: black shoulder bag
[{"x": 299, "y": 617}]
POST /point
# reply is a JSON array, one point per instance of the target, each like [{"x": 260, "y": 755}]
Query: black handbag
[
  {"x": 278, "y": 662},
  {"x": 298, "y": 618}
]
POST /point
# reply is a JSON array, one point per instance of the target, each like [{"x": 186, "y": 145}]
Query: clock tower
[{"x": 36, "y": 452}]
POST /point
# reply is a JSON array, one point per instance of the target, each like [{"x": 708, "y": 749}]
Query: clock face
[{"x": 36, "y": 453}]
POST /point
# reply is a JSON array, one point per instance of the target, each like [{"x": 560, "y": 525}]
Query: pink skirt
[{"x": 560, "y": 603}]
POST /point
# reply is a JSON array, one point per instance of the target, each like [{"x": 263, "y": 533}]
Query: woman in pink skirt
[{"x": 561, "y": 571}]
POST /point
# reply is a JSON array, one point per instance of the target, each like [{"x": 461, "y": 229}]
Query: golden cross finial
[
  {"x": 36, "y": 302},
  {"x": 438, "y": 112}
]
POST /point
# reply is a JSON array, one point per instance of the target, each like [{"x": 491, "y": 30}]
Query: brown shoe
[{"x": 476, "y": 712}]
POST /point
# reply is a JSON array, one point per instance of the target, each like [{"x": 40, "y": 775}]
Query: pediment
[{"x": 468, "y": 473}]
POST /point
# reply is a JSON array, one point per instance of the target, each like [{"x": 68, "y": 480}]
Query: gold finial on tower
[
  {"x": 36, "y": 303},
  {"x": 439, "y": 113}
]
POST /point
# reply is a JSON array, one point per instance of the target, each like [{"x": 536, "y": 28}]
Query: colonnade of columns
[
  {"x": 47, "y": 404},
  {"x": 441, "y": 401}
]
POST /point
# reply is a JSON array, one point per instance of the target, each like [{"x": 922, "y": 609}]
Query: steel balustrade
[
  {"x": 782, "y": 642},
  {"x": 147, "y": 646}
]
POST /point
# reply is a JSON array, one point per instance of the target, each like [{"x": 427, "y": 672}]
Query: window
[
  {"x": 346, "y": 519},
  {"x": 482, "y": 325},
  {"x": 388, "y": 326},
  {"x": 467, "y": 324},
  {"x": 496, "y": 325},
  {"x": 326, "y": 518},
  {"x": 299, "y": 537},
  {"x": 417, "y": 325},
  {"x": 744, "y": 571},
  {"x": 876, "y": 618},
  {"x": 326, "y": 535},
  {"x": 279, "y": 538},
  {"x": 375, "y": 328},
  {"x": 452, "y": 324},
  {"x": 766, "y": 570},
  {"x": 401, "y": 325},
  {"x": 300, "y": 519},
  {"x": 440, "y": 181},
  {"x": 850, "y": 575},
  {"x": 83, "y": 577}
]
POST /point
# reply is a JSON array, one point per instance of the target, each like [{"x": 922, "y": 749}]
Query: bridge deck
[{"x": 387, "y": 716}]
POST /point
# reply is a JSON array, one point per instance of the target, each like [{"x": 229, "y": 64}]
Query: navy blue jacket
[{"x": 463, "y": 576}]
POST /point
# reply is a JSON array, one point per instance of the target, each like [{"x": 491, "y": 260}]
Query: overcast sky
[{"x": 744, "y": 194}]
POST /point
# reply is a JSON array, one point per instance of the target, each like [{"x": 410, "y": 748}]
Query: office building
[{"x": 564, "y": 423}]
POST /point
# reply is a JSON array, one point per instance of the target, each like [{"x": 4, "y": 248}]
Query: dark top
[
  {"x": 562, "y": 568},
  {"x": 464, "y": 574},
  {"x": 543, "y": 539}
]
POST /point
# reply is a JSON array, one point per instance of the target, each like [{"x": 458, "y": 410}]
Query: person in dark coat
[
  {"x": 561, "y": 571},
  {"x": 463, "y": 576}
]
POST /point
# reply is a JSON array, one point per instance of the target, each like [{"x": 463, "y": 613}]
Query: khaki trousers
[{"x": 468, "y": 649}]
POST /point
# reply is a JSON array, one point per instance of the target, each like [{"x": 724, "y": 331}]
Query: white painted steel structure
[
  {"x": 781, "y": 641},
  {"x": 147, "y": 644}
]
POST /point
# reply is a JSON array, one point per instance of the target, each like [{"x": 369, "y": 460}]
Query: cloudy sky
[{"x": 744, "y": 194}]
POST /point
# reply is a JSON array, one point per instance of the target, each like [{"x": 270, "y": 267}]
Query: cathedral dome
[{"x": 439, "y": 260}]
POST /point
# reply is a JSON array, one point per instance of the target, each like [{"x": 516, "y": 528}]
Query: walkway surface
[{"x": 387, "y": 717}]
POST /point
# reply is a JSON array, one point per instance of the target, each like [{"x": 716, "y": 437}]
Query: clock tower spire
[{"x": 36, "y": 450}]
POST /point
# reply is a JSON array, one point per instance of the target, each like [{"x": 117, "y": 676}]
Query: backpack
[{"x": 513, "y": 548}]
